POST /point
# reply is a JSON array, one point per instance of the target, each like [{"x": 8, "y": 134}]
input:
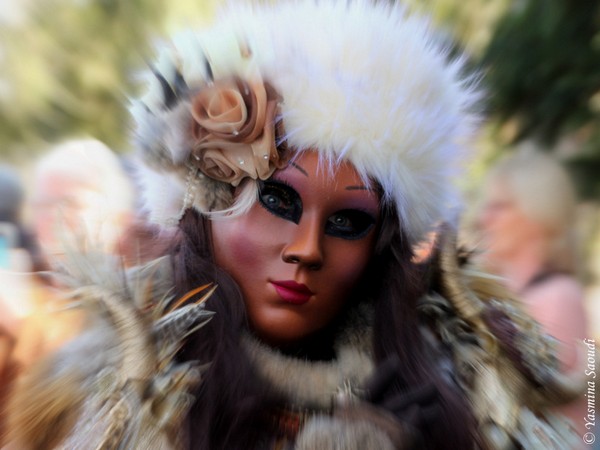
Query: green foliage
[
  {"x": 68, "y": 69},
  {"x": 543, "y": 72},
  {"x": 544, "y": 68}
]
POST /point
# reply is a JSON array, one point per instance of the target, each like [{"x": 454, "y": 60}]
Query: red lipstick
[{"x": 292, "y": 292}]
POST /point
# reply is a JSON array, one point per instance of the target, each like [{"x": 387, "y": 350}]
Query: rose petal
[
  {"x": 216, "y": 166},
  {"x": 255, "y": 97},
  {"x": 220, "y": 109},
  {"x": 236, "y": 156},
  {"x": 227, "y": 149},
  {"x": 225, "y": 112}
]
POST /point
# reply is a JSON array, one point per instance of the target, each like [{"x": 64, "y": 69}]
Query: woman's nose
[{"x": 305, "y": 246}]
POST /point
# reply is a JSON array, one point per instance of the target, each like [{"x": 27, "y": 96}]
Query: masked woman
[{"x": 296, "y": 153}]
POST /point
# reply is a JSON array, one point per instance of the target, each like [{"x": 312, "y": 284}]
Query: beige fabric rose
[{"x": 234, "y": 130}]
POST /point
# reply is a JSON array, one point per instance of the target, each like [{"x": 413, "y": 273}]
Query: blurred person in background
[
  {"x": 81, "y": 201},
  {"x": 82, "y": 198},
  {"x": 526, "y": 219}
]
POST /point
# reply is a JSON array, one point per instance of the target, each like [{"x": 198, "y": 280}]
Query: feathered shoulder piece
[
  {"x": 117, "y": 385},
  {"x": 502, "y": 359}
]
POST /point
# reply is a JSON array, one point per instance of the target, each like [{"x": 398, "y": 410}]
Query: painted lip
[{"x": 292, "y": 292}]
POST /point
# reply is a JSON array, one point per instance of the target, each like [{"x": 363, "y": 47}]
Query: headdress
[{"x": 353, "y": 80}]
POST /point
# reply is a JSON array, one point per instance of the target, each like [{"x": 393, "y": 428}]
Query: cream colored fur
[{"x": 314, "y": 384}]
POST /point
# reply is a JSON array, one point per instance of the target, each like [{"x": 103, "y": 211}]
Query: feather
[
  {"x": 504, "y": 362},
  {"x": 117, "y": 385}
]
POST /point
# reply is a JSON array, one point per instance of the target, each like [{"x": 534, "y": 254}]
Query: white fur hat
[{"x": 356, "y": 80}]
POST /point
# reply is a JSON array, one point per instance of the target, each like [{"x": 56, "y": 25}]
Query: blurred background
[{"x": 67, "y": 67}]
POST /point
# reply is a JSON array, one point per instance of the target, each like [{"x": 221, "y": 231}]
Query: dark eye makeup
[
  {"x": 349, "y": 224},
  {"x": 282, "y": 200}
]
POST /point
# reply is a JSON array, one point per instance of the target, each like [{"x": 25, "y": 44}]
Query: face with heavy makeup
[{"x": 301, "y": 249}]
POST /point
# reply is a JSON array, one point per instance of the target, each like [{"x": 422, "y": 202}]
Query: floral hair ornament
[
  {"x": 234, "y": 131},
  {"x": 359, "y": 81}
]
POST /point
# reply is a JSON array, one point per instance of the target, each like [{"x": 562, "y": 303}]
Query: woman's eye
[
  {"x": 281, "y": 200},
  {"x": 349, "y": 224}
]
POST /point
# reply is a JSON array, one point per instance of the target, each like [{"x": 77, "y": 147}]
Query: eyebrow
[
  {"x": 300, "y": 169},
  {"x": 359, "y": 188},
  {"x": 348, "y": 188}
]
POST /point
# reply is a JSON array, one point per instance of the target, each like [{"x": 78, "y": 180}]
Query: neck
[
  {"x": 521, "y": 266},
  {"x": 317, "y": 347}
]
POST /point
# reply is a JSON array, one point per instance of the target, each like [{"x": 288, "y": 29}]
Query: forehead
[{"x": 309, "y": 166}]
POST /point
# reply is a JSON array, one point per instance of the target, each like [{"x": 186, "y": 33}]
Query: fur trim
[
  {"x": 315, "y": 384},
  {"x": 361, "y": 82}
]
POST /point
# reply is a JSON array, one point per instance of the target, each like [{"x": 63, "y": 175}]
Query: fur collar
[{"x": 314, "y": 384}]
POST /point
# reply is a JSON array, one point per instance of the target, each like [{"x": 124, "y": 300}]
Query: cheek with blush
[
  {"x": 233, "y": 245},
  {"x": 244, "y": 247}
]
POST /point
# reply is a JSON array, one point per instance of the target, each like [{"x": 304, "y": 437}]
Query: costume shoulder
[
  {"x": 502, "y": 360},
  {"x": 117, "y": 385}
]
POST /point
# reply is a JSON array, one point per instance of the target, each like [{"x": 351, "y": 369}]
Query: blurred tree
[
  {"x": 543, "y": 71},
  {"x": 66, "y": 66},
  {"x": 66, "y": 69}
]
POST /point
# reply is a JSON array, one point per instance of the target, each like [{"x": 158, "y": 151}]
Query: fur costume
[
  {"x": 503, "y": 361},
  {"x": 122, "y": 397},
  {"x": 129, "y": 393}
]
